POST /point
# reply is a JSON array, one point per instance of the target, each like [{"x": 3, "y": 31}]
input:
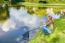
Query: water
[{"x": 18, "y": 25}]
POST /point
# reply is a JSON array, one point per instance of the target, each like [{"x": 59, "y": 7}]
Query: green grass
[{"x": 58, "y": 36}]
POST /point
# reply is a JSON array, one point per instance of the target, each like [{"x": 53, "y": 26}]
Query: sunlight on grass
[{"x": 58, "y": 36}]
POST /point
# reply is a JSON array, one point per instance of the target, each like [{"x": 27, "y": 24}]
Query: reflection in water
[{"x": 16, "y": 27}]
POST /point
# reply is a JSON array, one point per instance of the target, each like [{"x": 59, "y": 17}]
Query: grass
[{"x": 58, "y": 36}]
